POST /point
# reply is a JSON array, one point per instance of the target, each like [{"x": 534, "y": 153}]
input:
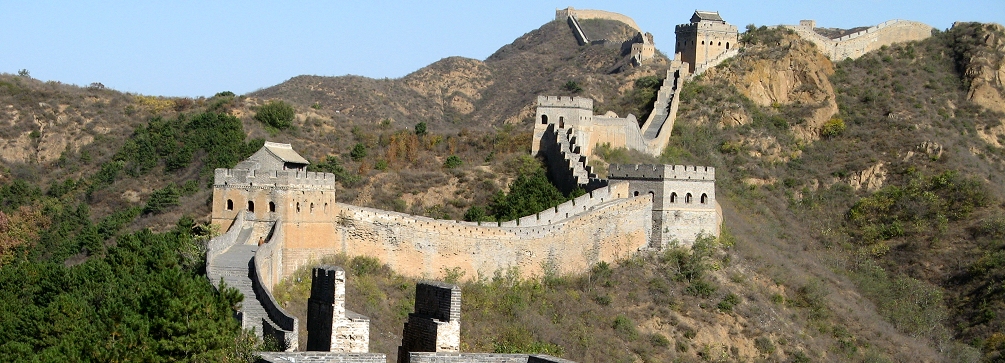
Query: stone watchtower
[
  {"x": 330, "y": 327},
  {"x": 684, "y": 203},
  {"x": 435, "y": 326},
  {"x": 705, "y": 38}
]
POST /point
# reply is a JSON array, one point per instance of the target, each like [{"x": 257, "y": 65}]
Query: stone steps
[{"x": 233, "y": 266}]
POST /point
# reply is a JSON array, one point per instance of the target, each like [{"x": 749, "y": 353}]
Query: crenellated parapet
[
  {"x": 661, "y": 172},
  {"x": 273, "y": 179},
  {"x": 565, "y": 102}
]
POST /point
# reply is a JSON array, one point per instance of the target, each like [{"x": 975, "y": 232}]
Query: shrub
[
  {"x": 276, "y": 114},
  {"x": 452, "y": 162},
  {"x": 728, "y": 302},
  {"x": 625, "y": 327},
  {"x": 833, "y": 127},
  {"x": 358, "y": 152},
  {"x": 572, "y": 86},
  {"x": 420, "y": 129},
  {"x": 764, "y": 345},
  {"x": 659, "y": 340}
]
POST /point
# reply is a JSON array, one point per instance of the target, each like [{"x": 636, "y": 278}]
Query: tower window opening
[
  {"x": 673, "y": 197},
  {"x": 230, "y": 204},
  {"x": 544, "y": 119},
  {"x": 251, "y": 206},
  {"x": 704, "y": 198},
  {"x": 636, "y": 193},
  {"x": 272, "y": 207},
  {"x": 312, "y": 208},
  {"x": 687, "y": 198},
  {"x": 727, "y": 45},
  {"x": 298, "y": 207},
  {"x": 561, "y": 122}
]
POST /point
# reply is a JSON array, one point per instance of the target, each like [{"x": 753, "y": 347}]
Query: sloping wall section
[{"x": 856, "y": 44}]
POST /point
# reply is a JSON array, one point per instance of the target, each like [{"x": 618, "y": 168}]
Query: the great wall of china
[
  {"x": 278, "y": 217},
  {"x": 856, "y": 44}
]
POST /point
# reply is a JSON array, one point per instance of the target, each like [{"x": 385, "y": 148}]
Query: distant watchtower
[{"x": 705, "y": 38}]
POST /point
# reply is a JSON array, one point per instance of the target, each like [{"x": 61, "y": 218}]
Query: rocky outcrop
[
  {"x": 795, "y": 73},
  {"x": 984, "y": 65}
]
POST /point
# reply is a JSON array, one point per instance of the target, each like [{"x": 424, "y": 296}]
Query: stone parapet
[
  {"x": 273, "y": 178},
  {"x": 661, "y": 172},
  {"x": 565, "y": 102},
  {"x": 426, "y": 357},
  {"x": 320, "y": 357}
]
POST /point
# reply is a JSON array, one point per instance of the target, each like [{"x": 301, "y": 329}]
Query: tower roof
[
  {"x": 285, "y": 153},
  {"x": 700, "y": 15}
]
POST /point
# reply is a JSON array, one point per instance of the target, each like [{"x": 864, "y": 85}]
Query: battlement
[
  {"x": 565, "y": 102},
  {"x": 705, "y": 26},
  {"x": 562, "y": 14},
  {"x": 272, "y": 178},
  {"x": 661, "y": 172}
]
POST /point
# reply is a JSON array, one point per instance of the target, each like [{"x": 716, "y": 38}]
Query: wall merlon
[
  {"x": 565, "y": 102},
  {"x": 661, "y": 172}
]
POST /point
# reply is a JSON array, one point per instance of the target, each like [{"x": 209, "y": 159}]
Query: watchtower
[
  {"x": 683, "y": 196},
  {"x": 563, "y": 113},
  {"x": 435, "y": 326},
  {"x": 330, "y": 327},
  {"x": 704, "y": 38}
]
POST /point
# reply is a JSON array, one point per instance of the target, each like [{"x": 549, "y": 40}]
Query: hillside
[
  {"x": 864, "y": 214},
  {"x": 458, "y": 92}
]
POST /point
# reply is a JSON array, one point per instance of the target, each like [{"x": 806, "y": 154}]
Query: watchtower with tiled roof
[{"x": 705, "y": 38}]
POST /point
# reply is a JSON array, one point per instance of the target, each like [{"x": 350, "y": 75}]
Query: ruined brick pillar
[
  {"x": 326, "y": 302},
  {"x": 330, "y": 327},
  {"x": 435, "y": 326}
]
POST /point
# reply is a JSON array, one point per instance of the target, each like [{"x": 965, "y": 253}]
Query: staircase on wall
[
  {"x": 234, "y": 267},
  {"x": 580, "y": 174}
]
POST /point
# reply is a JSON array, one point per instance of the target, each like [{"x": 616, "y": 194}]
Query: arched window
[
  {"x": 230, "y": 204},
  {"x": 727, "y": 45},
  {"x": 687, "y": 198},
  {"x": 561, "y": 122},
  {"x": 544, "y": 119},
  {"x": 673, "y": 197},
  {"x": 251, "y": 206},
  {"x": 652, "y": 195},
  {"x": 702, "y": 42},
  {"x": 312, "y": 208},
  {"x": 636, "y": 193},
  {"x": 298, "y": 207},
  {"x": 272, "y": 207},
  {"x": 719, "y": 44},
  {"x": 704, "y": 198}
]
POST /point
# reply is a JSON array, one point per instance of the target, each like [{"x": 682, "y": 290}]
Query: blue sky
[{"x": 198, "y": 48}]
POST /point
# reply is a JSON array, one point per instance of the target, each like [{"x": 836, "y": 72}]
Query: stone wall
[
  {"x": 420, "y": 246},
  {"x": 320, "y": 357},
  {"x": 286, "y": 328},
  {"x": 425, "y": 357},
  {"x": 562, "y": 14},
  {"x": 856, "y": 44}
]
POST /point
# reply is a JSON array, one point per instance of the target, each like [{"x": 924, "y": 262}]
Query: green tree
[
  {"x": 358, "y": 152},
  {"x": 528, "y": 194},
  {"x": 277, "y": 114},
  {"x": 452, "y": 161},
  {"x": 420, "y": 128}
]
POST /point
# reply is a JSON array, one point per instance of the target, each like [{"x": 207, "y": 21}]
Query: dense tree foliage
[
  {"x": 76, "y": 288},
  {"x": 528, "y": 194},
  {"x": 277, "y": 114}
]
